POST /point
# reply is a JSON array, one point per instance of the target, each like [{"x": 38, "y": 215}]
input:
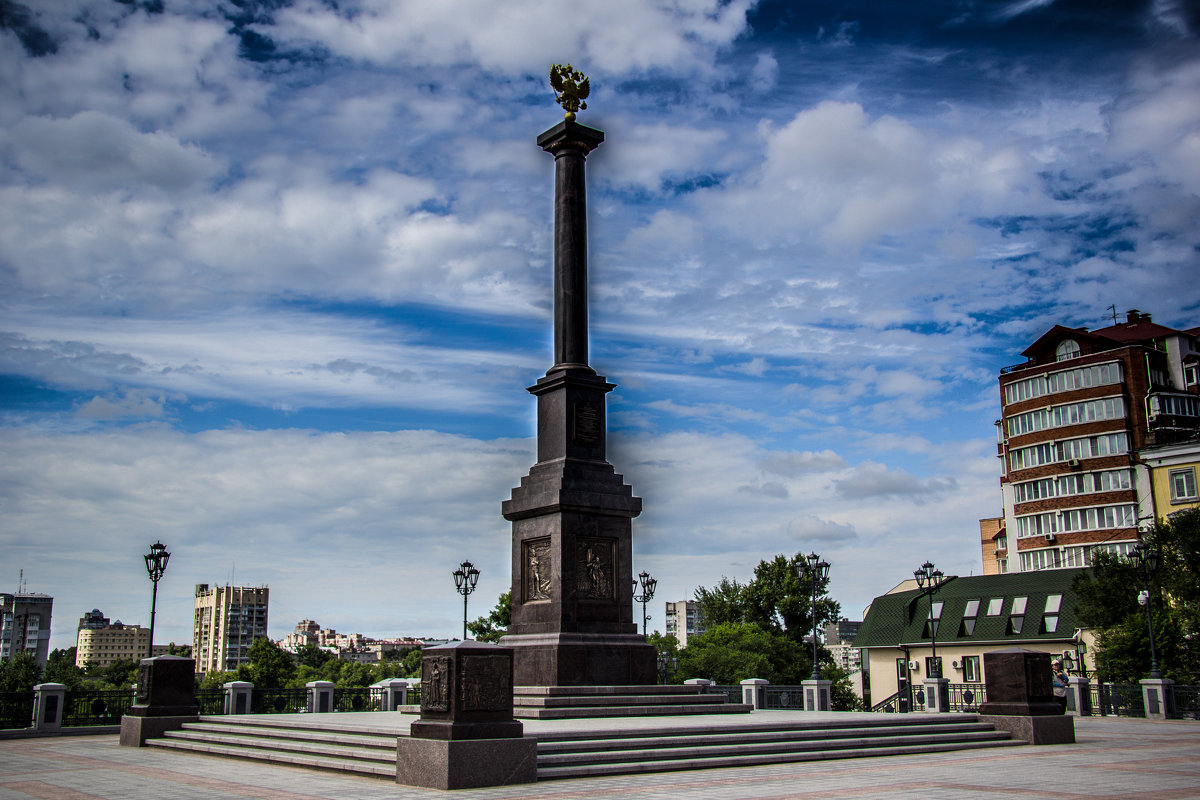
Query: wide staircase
[
  {"x": 579, "y": 702},
  {"x": 611, "y": 750}
]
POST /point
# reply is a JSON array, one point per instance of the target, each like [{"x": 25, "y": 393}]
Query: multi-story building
[
  {"x": 993, "y": 541},
  {"x": 25, "y": 625},
  {"x": 1075, "y": 415},
  {"x": 93, "y": 620},
  {"x": 102, "y": 646},
  {"x": 1173, "y": 469},
  {"x": 683, "y": 620},
  {"x": 839, "y": 640},
  {"x": 227, "y": 620}
]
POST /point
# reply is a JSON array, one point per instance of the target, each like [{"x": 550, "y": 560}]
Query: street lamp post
[
  {"x": 648, "y": 585},
  {"x": 929, "y": 580},
  {"x": 465, "y": 578},
  {"x": 1147, "y": 560},
  {"x": 818, "y": 571},
  {"x": 156, "y": 565}
]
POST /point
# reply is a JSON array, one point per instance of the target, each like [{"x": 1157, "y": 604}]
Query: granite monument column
[{"x": 572, "y": 553}]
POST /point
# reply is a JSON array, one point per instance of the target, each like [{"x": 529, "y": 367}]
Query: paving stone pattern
[{"x": 1113, "y": 758}]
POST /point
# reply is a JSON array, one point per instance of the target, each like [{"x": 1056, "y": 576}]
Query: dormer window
[{"x": 1067, "y": 349}]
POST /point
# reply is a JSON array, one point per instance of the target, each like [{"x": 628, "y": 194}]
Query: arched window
[{"x": 1068, "y": 348}]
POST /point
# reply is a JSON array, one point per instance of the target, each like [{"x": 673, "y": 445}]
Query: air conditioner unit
[
  {"x": 1049, "y": 537},
  {"x": 1074, "y": 462},
  {"x": 956, "y": 664},
  {"x": 914, "y": 665}
]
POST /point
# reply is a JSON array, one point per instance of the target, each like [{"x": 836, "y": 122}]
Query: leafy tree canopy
[
  {"x": 1108, "y": 602},
  {"x": 495, "y": 624},
  {"x": 20, "y": 673},
  {"x": 310, "y": 655},
  {"x": 270, "y": 667},
  {"x": 60, "y": 668}
]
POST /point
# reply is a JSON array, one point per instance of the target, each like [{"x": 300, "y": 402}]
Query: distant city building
[
  {"x": 25, "y": 625},
  {"x": 993, "y": 542},
  {"x": 227, "y": 620},
  {"x": 102, "y": 646},
  {"x": 1076, "y": 415},
  {"x": 348, "y": 646},
  {"x": 93, "y": 620},
  {"x": 684, "y": 621},
  {"x": 839, "y": 640}
]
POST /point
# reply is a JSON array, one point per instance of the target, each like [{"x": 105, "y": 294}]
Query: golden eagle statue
[{"x": 571, "y": 88}]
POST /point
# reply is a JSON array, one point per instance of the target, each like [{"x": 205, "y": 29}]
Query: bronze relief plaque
[
  {"x": 538, "y": 564},
  {"x": 486, "y": 683},
  {"x": 587, "y": 427},
  {"x": 594, "y": 569},
  {"x": 435, "y": 684}
]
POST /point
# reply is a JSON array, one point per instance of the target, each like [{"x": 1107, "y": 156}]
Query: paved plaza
[{"x": 1114, "y": 758}]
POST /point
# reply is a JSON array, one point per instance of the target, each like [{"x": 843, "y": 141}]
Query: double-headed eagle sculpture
[{"x": 571, "y": 88}]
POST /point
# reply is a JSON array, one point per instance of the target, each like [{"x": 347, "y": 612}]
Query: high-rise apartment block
[
  {"x": 1077, "y": 417},
  {"x": 25, "y": 625},
  {"x": 683, "y": 620},
  {"x": 227, "y": 621}
]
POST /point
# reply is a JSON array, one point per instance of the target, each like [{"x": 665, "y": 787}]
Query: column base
[{"x": 465, "y": 763}]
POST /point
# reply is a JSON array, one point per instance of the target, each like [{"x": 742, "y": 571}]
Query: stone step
[
  {"x": 303, "y": 734},
  {"x": 356, "y": 766},
  {"x": 667, "y": 739},
  {"x": 670, "y": 689},
  {"x": 589, "y": 712},
  {"x": 744, "y": 760},
  {"x": 592, "y": 701}
]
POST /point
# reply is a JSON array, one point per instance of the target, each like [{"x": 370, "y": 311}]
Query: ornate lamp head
[
  {"x": 156, "y": 561},
  {"x": 571, "y": 88}
]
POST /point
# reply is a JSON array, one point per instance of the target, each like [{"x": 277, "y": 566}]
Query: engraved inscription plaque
[
  {"x": 486, "y": 683},
  {"x": 143, "y": 684},
  {"x": 537, "y": 564},
  {"x": 586, "y": 430},
  {"x": 435, "y": 684},
  {"x": 594, "y": 568}
]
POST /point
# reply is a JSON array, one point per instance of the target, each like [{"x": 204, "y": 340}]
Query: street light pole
[
  {"x": 1147, "y": 561},
  {"x": 648, "y": 585},
  {"x": 818, "y": 571},
  {"x": 465, "y": 578},
  {"x": 929, "y": 579},
  {"x": 156, "y": 565}
]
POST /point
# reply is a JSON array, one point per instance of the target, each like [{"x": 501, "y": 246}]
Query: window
[
  {"x": 994, "y": 606},
  {"x": 1179, "y": 405},
  {"x": 1050, "y": 619},
  {"x": 1037, "y": 525},
  {"x": 1098, "y": 518},
  {"x": 970, "y": 613},
  {"x": 930, "y": 667},
  {"x": 935, "y": 616},
  {"x": 1045, "y": 558},
  {"x": 1183, "y": 484},
  {"x": 1016, "y": 617},
  {"x": 1084, "y": 377},
  {"x": 1035, "y": 456},
  {"x": 971, "y": 672},
  {"x": 1067, "y": 348},
  {"x": 902, "y": 669},
  {"x": 1191, "y": 375}
]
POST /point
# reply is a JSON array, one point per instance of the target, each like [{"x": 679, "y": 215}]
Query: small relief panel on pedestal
[
  {"x": 142, "y": 697},
  {"x": 486, "y": 683},
  {"x": 587, "y": 427},
  {"x": 537, "y": 564},
  {"x": 435, "y": 684},
  {"x": 594, "y": 564}
]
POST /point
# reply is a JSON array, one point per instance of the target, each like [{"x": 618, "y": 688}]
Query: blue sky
[{"x": 274, "y": 276}]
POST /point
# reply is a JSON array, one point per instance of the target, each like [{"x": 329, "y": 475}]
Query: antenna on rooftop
[
  {"x": 1113, "y": 308},
  {"x": 21, "y": 582}
]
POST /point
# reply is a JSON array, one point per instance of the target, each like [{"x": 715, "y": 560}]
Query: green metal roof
[{"x": 900, "y": 619}]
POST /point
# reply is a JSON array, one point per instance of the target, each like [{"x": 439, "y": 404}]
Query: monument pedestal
[
  {"x": 1020, "y": 697},
  {"x": 466, "y": 737},
  {"x": 165, "y": 700}
]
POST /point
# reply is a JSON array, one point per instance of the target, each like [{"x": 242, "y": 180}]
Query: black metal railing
[
  {"x": 967, "y": 696},
  {"x": 1117, "y": 700},
  {"x": 1187, "y": 702},
  {"x": 211, "y": 701},
  {"x": 278, "y": 701},
  {"x": 732, "y": 692},
  {"x": 356, "y": 700},
  {"x": 86, "y": 708},
  {"x": 16, "y": 709},
  {"x": 785, "y": 698}
]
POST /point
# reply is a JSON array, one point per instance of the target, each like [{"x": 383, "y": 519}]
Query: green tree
[
  {"x": 411, "y": 664},
  {"x": 1108, "y": 602},
  {"x": 778, "y": 599},
  {"x": 60, "y": 668},
  {"x": 310, "y": 655},
  {"x": 666, "y": 646},
  {"x": 734, "y": 651},
  {"x": 270, "y": 666},
  {"x": 20, "y": 673},
  {"x": 120, "y": 674},
  {"x": 722, "y": 603},
  {"x": 495, "y": 624}
]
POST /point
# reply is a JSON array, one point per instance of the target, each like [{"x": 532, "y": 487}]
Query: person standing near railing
[{"x": 1060, "y": 683}]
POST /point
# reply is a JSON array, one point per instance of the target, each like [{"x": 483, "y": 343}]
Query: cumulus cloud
[{"x": 872, "y": 479}]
